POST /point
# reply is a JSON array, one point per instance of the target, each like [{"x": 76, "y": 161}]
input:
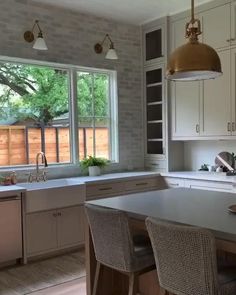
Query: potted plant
[{"x": 93, "y": 165}]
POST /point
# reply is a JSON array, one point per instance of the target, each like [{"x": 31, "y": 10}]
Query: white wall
[{"x": 197, "y": 153}]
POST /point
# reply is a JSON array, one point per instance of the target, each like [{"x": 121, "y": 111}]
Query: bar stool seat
[
  {"x": 115, "y": 247},
  {"x": 186, "y": 260}
]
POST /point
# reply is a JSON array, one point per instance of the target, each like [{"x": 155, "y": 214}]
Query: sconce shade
[
  {"x": 111, "y": 54},
  {"x": 193, "y": 61},
  {"x": 40, "y": 43}
]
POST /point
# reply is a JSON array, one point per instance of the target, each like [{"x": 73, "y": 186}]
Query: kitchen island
[{"x": 184, "y": 206}]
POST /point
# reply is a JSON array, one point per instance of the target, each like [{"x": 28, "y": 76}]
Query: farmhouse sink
[
  {"x": 52, "y": 194},
  {"x": 54, "y": 183}
]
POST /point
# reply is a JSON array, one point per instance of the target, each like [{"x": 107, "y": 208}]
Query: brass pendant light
[{"x": 194, "y": 60}]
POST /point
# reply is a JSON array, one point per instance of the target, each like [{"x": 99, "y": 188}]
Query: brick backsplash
[{"x": 70, "y": 37}]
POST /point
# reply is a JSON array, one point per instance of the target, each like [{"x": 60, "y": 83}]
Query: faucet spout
[{"x": 44, "y": 161}]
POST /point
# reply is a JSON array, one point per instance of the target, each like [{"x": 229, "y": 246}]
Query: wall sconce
[
  {"x": 40, "y": 42},
  {"x": 111, "y": 53}
]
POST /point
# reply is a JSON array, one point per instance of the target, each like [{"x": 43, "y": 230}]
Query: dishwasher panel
[{"x": 10, "y": 229}]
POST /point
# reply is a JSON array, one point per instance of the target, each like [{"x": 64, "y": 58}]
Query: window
[{"x": 39, "y": 108}]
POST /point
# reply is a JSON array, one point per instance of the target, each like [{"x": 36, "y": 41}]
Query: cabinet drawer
[
  {"x": 156, "y": 164},
  {"x": 172, "y": 182},
  {"x": 142, "y": 184},
  {"x": 105, "y": 189},
  {"x": 210, "y": 185}
]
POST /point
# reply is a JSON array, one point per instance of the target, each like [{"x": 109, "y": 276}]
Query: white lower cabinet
[
  {"x": 53, "y": 230},
  {"x": 210, "y": 185},
  {"x": 172, "y": 182}
]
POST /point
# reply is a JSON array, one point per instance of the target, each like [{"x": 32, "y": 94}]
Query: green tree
[{"x": 41, "y": 93}]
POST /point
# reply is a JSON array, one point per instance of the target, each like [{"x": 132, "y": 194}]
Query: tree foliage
[{"x": 41, "y": 93}]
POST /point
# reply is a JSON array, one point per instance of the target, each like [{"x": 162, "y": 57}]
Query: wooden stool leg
[
  {"x": 95, "y": 285},
  {"x": 132, "y": 284}
]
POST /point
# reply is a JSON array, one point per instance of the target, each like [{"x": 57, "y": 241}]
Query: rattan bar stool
[
  {"x": 186, "y": 260},
  {"x": 115, "y": 247}
]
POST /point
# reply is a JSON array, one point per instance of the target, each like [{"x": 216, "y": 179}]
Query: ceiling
[{"x": 128, "y": 11}]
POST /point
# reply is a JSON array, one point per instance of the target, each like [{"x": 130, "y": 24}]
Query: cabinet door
[
  {"x": 233, "y": 23},
  {"x": 216, "y": 26},
  {"x": 70, "y": 226},
  {"x": 233, "y": 89},
  {"x": 154, "y": 44},
  {"x": 10, "y": 230},
  {"x": 217, "y": 101},
  {"x": 41, "y": 232},
  {"x": 178, "y": 33},
  {"x": 185, "y": 109}
]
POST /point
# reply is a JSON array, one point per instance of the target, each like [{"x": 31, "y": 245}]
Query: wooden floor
[{"x": 59, "y": 275}]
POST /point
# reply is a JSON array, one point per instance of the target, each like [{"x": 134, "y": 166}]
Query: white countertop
[
  {"x": 6, "y": 191},
  {"x": 201, "y": 175},
  {"x": 181, "y": 205},
  {"x": 115, "y": 176}
]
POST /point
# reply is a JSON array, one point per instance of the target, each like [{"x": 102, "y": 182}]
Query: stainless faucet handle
[
  {"x": 30, "y": 177},
  {"x": 44, "y": 176}
]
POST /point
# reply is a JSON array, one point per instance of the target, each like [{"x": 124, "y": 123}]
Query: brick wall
[{"x": 70, "y": 37}]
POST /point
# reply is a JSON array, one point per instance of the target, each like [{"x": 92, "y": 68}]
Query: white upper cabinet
[
  {"x": 233, "y": 90},
  {"x": 216, "y": 26},
  {"x": 185, "y": 109},
  {"x": 233, "y": 23},
  {"x": 154, "y": 44},
  {"x": 217, "y": 101}
]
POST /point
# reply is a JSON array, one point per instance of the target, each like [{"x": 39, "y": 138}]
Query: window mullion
[
  {"x": 74, "y": 116},
  {"x": 93, "y": 110}
]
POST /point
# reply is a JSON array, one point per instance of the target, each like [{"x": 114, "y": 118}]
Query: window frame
[{"x": 73, "y": 110}]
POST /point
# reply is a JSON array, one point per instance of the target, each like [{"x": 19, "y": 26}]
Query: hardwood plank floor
[
  {"x": 44, "y": 274},
  {"x": 75, "y": 287}
]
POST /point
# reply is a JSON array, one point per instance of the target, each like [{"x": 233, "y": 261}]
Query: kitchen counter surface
[
  {"x": 202, "y": 175},
  {"x": 115, "y": 176},
  {"x": 181, "y": 205}
]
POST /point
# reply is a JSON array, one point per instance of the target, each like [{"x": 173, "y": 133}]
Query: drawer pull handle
[
  {"x": 105, "y": 188},
  {"x": 141, "y": 183},
  {"x": 155, "y": 164},
  {"x": 174, "y": 184},
  {"x": 229, "y": 126},
  {"x": 233, "y": 126}
]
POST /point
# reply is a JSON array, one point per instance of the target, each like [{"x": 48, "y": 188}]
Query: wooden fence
[{"x": 20, "y": 144}]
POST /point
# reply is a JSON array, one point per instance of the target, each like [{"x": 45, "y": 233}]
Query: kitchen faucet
[{"x": 38, "y": 175}]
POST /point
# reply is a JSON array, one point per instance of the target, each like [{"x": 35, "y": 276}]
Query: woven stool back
[
  {"x": 185, "y": 258},
  {"x": 111, "y": 237}
]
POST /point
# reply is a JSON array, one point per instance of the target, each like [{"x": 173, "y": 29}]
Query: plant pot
[{"x": 94, "y": 171}]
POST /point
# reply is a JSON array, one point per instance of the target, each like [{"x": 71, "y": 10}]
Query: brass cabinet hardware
[
  {"x": 197, "y": 128},
  {"x": 105, "y": 188},
  {"x": 141, "y": 183},
  {"x": 233, "y": 126}
]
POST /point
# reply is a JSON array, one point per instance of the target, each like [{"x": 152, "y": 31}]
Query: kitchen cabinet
[
  {"x": 53, "y": 230},
  {"x": 185, "y": 109},
  {"x": 155, "y": 110},
  {"x": 217, "y": 97},
  {"x": 172, "y": 182},
  {"x": 233, "y": 24},
  {"x": 70, "y": 223},
  {"x": 210, "y": 185},
  {"x": 154, "y": 43},
  {"x": 10, "y": 229},
  {"x": 121, "y": 187},
  {"x": 216, "y": 26}
]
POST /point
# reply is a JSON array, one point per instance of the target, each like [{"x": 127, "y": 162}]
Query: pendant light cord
[{"x": 192, "y": 9}]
